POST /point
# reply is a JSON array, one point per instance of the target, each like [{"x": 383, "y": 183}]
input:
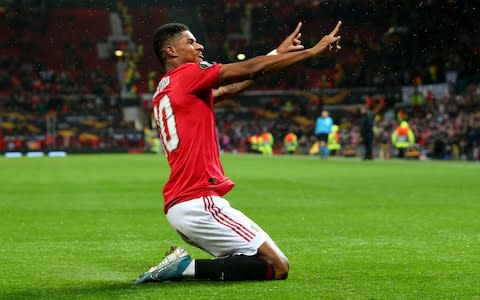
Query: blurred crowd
[
  {"x": 384, "y": 45},
  {"x": 445, "y": 128},
  {"x": 72, "y": 105}
]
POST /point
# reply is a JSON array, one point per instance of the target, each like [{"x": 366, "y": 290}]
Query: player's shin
[{"x": 234, "y": 268}]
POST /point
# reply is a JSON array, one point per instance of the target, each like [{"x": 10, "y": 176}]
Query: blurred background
[{"x": 78, "y": 76}]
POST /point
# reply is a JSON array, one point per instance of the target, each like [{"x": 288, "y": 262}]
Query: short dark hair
[{"x": 162, "y": 35}]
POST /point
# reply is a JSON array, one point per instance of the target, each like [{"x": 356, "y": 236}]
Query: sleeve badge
[{"x": 205, "y": 65}]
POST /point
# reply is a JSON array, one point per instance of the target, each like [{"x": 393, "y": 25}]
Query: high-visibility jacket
[
  {"x": 403, "y": 137},
  {"x": 156, "y": 145},
  {"x": 333, "y": 142},
  {"x": 290, "y": 142},
  {"x": 267, "y": 138},
  {"x": 253, "y": 142},
  {"x": 266, "y": 144}
]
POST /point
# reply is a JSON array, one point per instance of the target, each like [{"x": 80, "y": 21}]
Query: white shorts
[{"x": 211, "y": 224}]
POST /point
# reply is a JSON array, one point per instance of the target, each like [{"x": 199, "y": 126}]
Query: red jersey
[{"x": 183, "y": 107}]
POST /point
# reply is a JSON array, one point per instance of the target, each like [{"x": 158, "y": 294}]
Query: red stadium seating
[{"x": 80, "y": 28}]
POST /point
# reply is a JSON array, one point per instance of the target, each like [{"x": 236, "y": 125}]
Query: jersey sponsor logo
[{"x": 205, "y": 65}]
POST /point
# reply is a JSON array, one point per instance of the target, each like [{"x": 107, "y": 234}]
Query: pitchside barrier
[{"x": 33, "y": 154}]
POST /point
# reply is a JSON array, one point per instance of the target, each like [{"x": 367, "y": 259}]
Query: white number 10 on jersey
[{"x": 166, "y": 122}]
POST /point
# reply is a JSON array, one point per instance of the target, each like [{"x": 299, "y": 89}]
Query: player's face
[{"x": 188, "y": 49}]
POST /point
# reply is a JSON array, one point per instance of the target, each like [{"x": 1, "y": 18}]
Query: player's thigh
[{"x": 211, "y": 224}]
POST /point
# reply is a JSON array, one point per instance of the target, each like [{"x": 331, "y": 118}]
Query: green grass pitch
[{"x": 85, "y": 227}]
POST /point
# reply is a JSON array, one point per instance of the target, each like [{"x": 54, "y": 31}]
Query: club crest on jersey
[{"x": 205, "y": 65}]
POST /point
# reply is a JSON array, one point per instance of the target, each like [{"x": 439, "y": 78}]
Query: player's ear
[{"x": 170, "y": 51}]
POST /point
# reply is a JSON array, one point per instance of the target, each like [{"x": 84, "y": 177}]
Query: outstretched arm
[
  {"x": 261, "y": 65},
  {"x": 291, "y": 43}
]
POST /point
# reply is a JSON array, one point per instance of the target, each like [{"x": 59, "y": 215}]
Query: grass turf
[{"x": 86, "y": 226}]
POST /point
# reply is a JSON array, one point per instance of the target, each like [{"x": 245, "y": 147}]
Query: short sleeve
[{"x": 201, "y": 76}]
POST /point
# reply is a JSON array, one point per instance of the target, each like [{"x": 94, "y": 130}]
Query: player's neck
[{"x": 173, "y": 64}]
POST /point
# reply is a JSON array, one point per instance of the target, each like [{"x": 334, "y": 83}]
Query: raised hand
[
  {"x": 331, "y": 41},
  {"x": 292, "y": 42}
]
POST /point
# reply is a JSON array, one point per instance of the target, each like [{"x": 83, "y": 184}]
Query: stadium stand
[
  {"x": 61, "y": 87},
  {"x": 57, "y": 93}
]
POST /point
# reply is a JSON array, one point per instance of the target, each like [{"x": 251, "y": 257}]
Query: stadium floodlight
[
  {"x": 118, "y": 53},
  {"x": 241, "y": 56}
]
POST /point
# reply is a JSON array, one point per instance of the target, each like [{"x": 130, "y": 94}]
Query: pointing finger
[
  {"x": 296, "y": 32},
  {"x": 336, "y": 29}
]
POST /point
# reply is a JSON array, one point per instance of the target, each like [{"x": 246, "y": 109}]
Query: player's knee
[{"x": 281, "y": 269}]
